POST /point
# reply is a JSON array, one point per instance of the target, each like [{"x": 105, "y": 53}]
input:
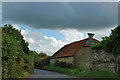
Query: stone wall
[
  {"x": 82, "y": 57},
  {"x": 105, "y": 61},
  {"x": 65, "y": 59}
]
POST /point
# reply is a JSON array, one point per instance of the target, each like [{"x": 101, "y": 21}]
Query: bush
[
  {"x": 69, "y": 65},
  {"x": 84, "y": 67},
  {"x": 63, "y": 64},
  {"x": 97, "y": 46},
  {"x": 40, "y": 60},
  {"x": 15, "y": 59},
  {"x": 111, "y": 43},
  {"x": 56, "y": 63}
]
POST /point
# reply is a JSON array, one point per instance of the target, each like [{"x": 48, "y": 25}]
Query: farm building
[{"x": 77, "y": 53}]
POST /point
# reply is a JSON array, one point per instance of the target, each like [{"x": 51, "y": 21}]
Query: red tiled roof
[{"x": 70, "y": 49}]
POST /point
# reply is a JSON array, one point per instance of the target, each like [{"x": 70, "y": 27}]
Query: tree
[
  {"x": 14, "y": 57},
  {"x": 40, "y": 60}
]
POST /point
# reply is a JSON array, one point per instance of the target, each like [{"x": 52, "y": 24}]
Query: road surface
[{"x": 47, "y": 74}]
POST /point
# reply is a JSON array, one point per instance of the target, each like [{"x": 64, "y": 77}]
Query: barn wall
[
  {"x": 105, "y": 61},
  {"x": 66, "y": 59},
  {"x": 82, "y": 57}
]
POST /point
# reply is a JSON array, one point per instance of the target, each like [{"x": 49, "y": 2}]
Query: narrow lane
[{"x": 48, "y": 74}]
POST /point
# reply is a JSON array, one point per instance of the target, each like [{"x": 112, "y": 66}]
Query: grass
[
  {"x": 25, "y": 74},
  {"x": 86, "y": 74}
]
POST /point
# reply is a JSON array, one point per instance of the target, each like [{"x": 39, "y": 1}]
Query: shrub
[
  {"x": 63, "y": 64},
  {"x": 111, "y": 43},
  {"x": 97, "y": 46},
  {"x": 40, "y": 60},
  {"x": 84, "y": 67},
  {"x": 56, "y": 63},
  {"x": 69, "y": 65}
]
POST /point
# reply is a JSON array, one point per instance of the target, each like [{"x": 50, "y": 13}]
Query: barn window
[
  {"x": 88, "y": 42},
  {"x": 92, "y": 42}
]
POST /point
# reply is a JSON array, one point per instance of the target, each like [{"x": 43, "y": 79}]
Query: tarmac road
[{"x": 48, "y": 75}]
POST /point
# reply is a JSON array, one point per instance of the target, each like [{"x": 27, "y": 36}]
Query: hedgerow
[{"x": 16, "y": 59}]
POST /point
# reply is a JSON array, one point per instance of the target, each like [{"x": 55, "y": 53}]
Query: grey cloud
[
  {"x": 62, "y": 15},
  {"x": 119, "y": 12},
  {"x": 60, "y": 1}
]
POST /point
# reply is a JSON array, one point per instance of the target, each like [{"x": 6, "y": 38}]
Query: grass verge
[{"x": 86, "y": 74}]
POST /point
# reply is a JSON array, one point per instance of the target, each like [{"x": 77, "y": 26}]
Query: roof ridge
[{"x": 77, "y": 41}]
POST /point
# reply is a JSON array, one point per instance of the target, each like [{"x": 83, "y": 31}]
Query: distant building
[{"x": 77, "y": 53}]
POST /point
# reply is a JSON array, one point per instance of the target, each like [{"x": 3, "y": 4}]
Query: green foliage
[
  {"x": 84, "y": 67},
  {"x": 69, "y": 65},
  {"x": 83, "y": 73},
  {"x": 63, "y": 64},
  {"x": 110, "y": 43},
  {"x": 16, "y": 34},
  {"x": 56, "y": 63},
  {"x": 43, "y": 55},
  {"x": 14, "y": 57},
  {"x": 97, "y": 46},
  {"x": 40, "y": 60}
]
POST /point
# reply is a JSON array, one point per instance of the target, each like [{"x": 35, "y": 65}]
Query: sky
[
  {"x": 60, "y": 0},
  {"x": 48, "y": 26}
]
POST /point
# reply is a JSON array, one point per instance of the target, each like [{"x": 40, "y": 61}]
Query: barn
[{"x": 78, "y": 53}]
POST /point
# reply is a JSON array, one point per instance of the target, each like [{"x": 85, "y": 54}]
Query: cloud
[
  {"x": 16, "y": 26},
  {"x": 101, "y": 33},
  {"x": 72, "y": 35},
  {"x": 59, "y": 0},
  {"x": 119, "y": 12},
  {"x": 49, "y": 45},
  {"x": 62, "y": 15},
  {"x": 42, "y": 43}
]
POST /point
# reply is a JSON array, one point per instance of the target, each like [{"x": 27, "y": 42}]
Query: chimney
[{"x": 90, "y": 35}]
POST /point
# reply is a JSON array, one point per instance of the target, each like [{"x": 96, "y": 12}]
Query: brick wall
[{"x": 66, "y": 59}]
